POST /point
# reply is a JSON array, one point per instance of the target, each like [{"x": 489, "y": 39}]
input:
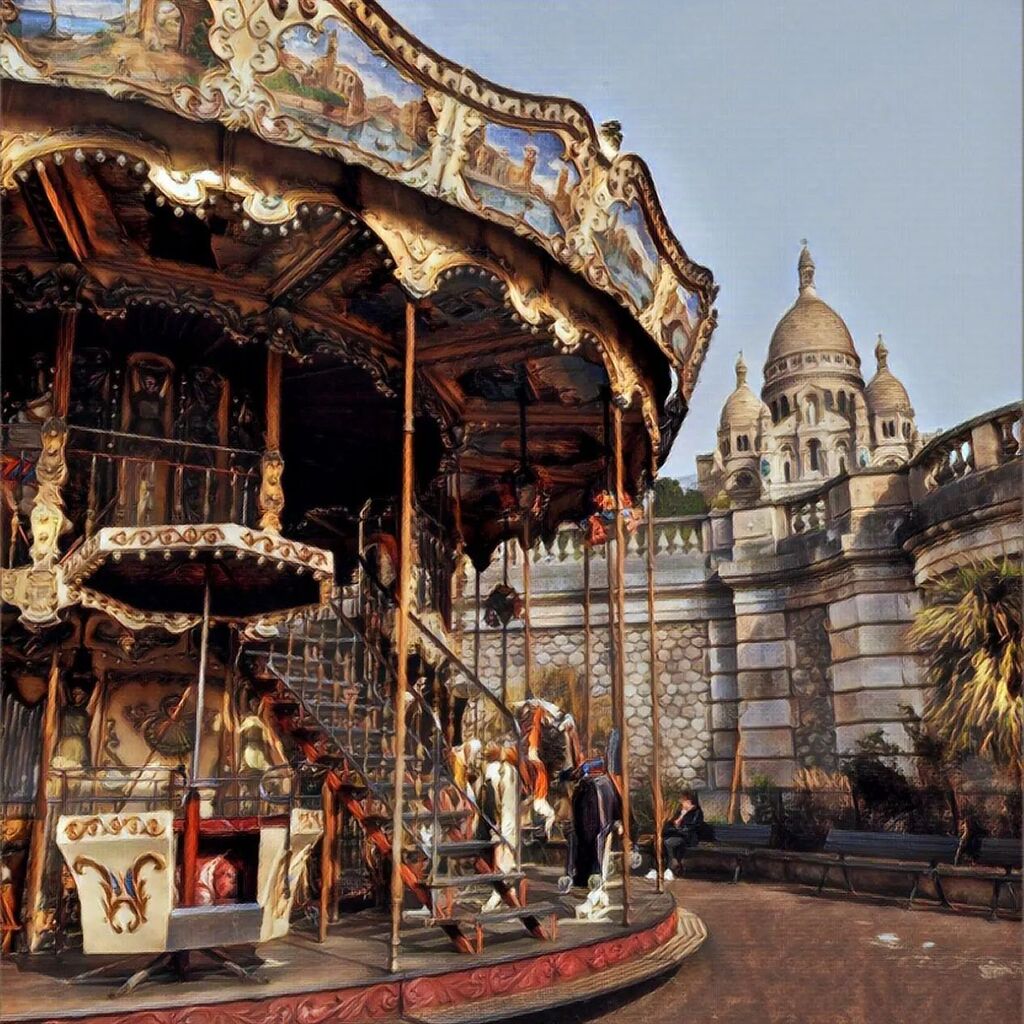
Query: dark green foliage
[{"x": 671, "y": 500}]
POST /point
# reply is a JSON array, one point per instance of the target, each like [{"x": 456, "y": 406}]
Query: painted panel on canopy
[
  {"x": 629, "y": 252},
  {"x": 347, "y": 94},
  {"x": 680, "y": 319},
  {"x": 523, "y": 175},
  {"x": 157, "y": 41}
]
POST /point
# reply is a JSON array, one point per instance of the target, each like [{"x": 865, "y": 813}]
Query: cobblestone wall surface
[
  {"x": 811, "y": 685},
  {"x": 558, "y": 666}
]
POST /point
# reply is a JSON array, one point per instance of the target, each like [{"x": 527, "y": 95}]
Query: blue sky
[{"x": 888, "y": 134}]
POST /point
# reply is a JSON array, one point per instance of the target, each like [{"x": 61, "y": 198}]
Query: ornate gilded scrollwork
[
  {"x": 131, "y": 824},
  {"x": 289, "y": 71},
  {"x": 271, "y": 497},
  {"x": 123, "y": 891}
]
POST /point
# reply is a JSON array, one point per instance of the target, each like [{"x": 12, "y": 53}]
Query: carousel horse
[
  {"x": 596, "y": 819},
  {"x": 552, "y": 746},
  {"x": 498, "y": 800}
]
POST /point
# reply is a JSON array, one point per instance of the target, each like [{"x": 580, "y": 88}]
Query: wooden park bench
[
  {"x": 736, "y": 843},
  {"x": 997, "y": 861},
  {"x": 916, "y": 856}
]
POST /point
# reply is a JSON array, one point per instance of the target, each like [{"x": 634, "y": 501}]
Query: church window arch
[
  {"x": 784, "y": 406},
  {"x": 725, "y": 446},
  {"x": 811, "y": 411},
  {"x": 814, "y": 460},
  {"x": 830, "y": 400},
  {"x": 742, "y": 443},
  {"x": 842, "y": 401},
  {"x": 906, "y": 431}
]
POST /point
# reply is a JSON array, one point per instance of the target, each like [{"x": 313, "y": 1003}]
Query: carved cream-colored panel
[
  {"x": 123, "y": 868},
  {"x": 272, "y": 893}
]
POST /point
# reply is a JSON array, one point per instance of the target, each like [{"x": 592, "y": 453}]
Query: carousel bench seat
[{"x": 232, "y": 924}]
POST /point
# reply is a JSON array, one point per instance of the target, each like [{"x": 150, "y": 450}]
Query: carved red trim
[
  {"x": 494, "y": 980},
  {"x": 382, "y": 1001}
]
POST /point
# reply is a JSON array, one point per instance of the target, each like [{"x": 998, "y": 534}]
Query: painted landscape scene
[
  {"x": 523, "y": 175},
  {"x": 346, "y": 93}
]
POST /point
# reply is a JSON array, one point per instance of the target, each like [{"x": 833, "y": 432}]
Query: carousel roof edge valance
[{"x": 341, "y": 78}]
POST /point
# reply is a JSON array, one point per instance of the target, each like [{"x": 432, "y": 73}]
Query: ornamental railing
[
  {"x": 673, "y": 535},
  {"x": 126, "y": 479},
  {"x": 992, "y": 439},
  {"x": 807, "y": 514}
]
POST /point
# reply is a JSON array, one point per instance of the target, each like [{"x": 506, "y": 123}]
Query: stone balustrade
[
  {"x": 989, "y": 440},
  {"x": 675, "y": 535},
  {"x": 807, "y": 514}
]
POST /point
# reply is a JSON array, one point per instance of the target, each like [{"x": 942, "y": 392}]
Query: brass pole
[
  {"x": 274, "y": 364},
  {"x": 620, "y": 656},
  {"x": 66, "y": 328},
  {"x": 204, "y": 647},
  {"x": 585, "y": 724},
  {"x": 402, "y": 634},
  {"x": 659, "y": 810},
  {"x": 38, "y": 843},
  {"x": 504, "y": 625},
  {"x": 610, "y": 569},
  {"x": 524, "y": 544},
  {"x": 326, "y": 858}
]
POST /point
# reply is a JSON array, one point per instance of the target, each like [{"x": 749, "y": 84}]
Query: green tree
[
  {"x": 671, "y": 500},
  {"x": 970, "y": 635}
]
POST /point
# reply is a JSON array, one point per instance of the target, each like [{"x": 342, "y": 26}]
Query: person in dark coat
[{"x": 682, "y": 830}]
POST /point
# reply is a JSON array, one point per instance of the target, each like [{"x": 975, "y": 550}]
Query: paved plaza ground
[{"x": 778, "y": 955}]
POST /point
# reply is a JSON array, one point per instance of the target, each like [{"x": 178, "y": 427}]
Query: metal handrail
[{"x": 457, "y": 662}]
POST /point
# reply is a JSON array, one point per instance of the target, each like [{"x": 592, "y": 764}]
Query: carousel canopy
[{"x": 196, "y": 181}]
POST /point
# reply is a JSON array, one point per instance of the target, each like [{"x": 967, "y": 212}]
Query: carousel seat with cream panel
[{"x": 123, "y": 869}]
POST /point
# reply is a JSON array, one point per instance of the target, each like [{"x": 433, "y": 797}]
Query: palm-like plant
[{"x": 970, "y": 635}]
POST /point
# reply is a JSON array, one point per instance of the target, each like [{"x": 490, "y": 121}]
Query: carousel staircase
[{"x": 333, "y": 686}]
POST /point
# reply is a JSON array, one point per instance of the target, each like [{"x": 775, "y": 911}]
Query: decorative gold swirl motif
[
  {"x": 133, "y": 825},
  {"x": 123, "y": 890}
]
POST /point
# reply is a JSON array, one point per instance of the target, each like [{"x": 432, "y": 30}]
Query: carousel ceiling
[
  {"x": 341, "y": 78},
  {"x": 291, "y": 173}
]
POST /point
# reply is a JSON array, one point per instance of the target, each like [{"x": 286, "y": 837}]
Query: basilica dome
[
  {"x": 885, "y": 392},
  {"x": 810, "y": 324},
  {"x": 743, "y": 407}
]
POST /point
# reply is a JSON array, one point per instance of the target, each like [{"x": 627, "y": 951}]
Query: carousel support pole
[
  {"x": 190, "y": 848},
  {"x": 402, "y": 634},
  {"x": 274, "y": 366},
  {"x": 326, "y": 859},
  {"x": 585, "y": 724},
  {"x": 33, "y": 912},
  {"x": 524, "y": 543},
  {"x": 190, "y": 838},
  {"x": 476, "y": 649},
  {"x": 610, "y": 596},
  {"x": 504, "y": 628},
  {"x": 271, "y": 496},
  {"x": 620, "y": 657},
  {"x": 659, "y": 810},
  {"x": 66, "y": 328}
]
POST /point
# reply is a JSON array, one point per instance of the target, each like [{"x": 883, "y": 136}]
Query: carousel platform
[{"x": 344, "y": 980}]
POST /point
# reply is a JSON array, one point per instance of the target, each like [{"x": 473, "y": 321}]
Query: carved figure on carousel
[
  {"x": 601, "y": 522},
  {"x": 552, "y": 746},
  {"x": 73, "y": 743}
]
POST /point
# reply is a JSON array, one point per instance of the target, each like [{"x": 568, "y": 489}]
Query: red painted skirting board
[{"x": 414, "y": 995}]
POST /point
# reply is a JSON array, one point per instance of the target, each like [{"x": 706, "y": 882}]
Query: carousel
[{"x": 301, "y": 325}]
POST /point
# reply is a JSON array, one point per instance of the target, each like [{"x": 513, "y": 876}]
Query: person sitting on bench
[{"x": 681, "y": 831}]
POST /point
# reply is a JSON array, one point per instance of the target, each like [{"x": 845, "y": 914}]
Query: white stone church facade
[{"x": 782, "y": 614}]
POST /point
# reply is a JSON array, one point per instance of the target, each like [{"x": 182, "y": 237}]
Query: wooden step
[
  {"x": 465, "y": 848},
  {"x": 465, "y": 881}
]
